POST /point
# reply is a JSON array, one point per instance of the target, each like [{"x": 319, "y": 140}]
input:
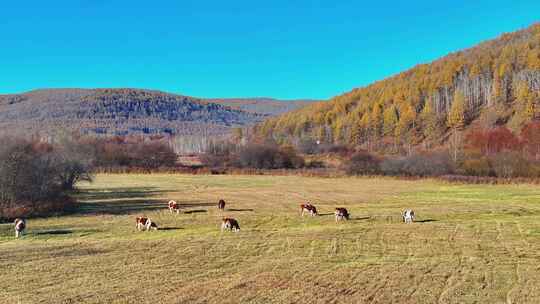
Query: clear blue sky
[{"x": 279, "y": 48}]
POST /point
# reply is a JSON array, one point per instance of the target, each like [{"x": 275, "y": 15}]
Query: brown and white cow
[
  {"x": 173, "y": 206},
  {"x": 341, "y": 214},
  {"x": 221, "y": 205},
  {"x": 20, "y": 226},
  {"x": 229, "y": 224},
  {"x": 144, "y": 223},
  {"x": 309, "y": 208}
]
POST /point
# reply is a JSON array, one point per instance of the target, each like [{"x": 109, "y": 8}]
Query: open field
[{"x": 472, "y": 244}]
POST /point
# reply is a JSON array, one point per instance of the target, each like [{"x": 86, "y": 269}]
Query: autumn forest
[{"x": 496, "y": 83}]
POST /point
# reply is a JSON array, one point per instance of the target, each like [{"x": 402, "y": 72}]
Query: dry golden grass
[{"x": 472, "y": 244}]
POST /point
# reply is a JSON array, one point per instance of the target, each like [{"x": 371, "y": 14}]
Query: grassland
[{"x": 472, "y": 244}]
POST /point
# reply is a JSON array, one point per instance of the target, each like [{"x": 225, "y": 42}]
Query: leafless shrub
[
  {"x": 268, "y": 157},
  {"x": 424, "y": 164},
  {"x": 362, "y": 163},
  {"x": 510, "y": 164},
  {"x": 428, "y": 164}
]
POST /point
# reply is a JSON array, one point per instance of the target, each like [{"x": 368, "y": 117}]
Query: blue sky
[{"x": 281, "y": 48}]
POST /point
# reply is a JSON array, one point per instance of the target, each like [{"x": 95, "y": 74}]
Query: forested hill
[
  {"x": 263, "y": 105},
  {"x": 494, "y": 83},
  {"x": 118, "y": 112}
]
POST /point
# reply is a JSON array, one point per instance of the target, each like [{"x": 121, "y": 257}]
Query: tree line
[{"x": 495, "y": 152}]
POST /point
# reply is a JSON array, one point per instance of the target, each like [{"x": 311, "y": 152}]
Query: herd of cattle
[{"x": 231, "y": 224}]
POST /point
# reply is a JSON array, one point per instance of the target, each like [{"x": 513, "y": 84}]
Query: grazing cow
[
  {"x": 308, "y": 207},
  {"x": 221, "y": 205},
  {"x": 144, "y": 223},
  {"x": 408, "y": 216},
  {"x": 341, "y": 214},
  {"x": 174, "y": 206},
  {"x": 229, "y": 224},
  {"x": 20, "y": 225}
]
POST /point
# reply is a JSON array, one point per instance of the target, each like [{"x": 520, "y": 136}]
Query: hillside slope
[
  {"x": 262, "y": 105},
  {"x": 494, "y": 83},
  {"x": 117, "y": 112}
]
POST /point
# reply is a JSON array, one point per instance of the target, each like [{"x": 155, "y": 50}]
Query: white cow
[
  {"x": 20, "y": 225},
  {"x": 408, "y": 216}
]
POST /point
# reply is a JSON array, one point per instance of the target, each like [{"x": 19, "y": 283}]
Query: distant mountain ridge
[
  {"x": 122, "y": 112},
  {"x": 263, "y": 105}
]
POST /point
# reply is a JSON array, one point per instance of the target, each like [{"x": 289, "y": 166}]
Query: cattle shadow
[
  {"x": 53, "y": 232},
  {"x": 170, "y": 228},
  {"x": 360, "y": 218},
  {"x": 195, "y": 211},
  {"x": 325, "y": 214},
  {"x": 240, "y": 210},
  {"x": 426, "y": 221},
  {"x": 194, "y": 204}
]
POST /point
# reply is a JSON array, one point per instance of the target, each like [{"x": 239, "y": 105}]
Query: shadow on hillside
[
  {"x": 169, "y": 228},
  {"x": 326, "y": 214},
  {"x": 116, "y": 201},
  {"x": 239, "y": 210}
]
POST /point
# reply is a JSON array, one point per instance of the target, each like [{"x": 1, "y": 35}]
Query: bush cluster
[
  {"x": 424, "y": 164},
  {"x": 497, "y": 152},
  {"x": 35, "y": 173},
  {"x": 310, "y": 147},
  {"x": 255, "y": 156},
  {"x": 129, "y": 152}
]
